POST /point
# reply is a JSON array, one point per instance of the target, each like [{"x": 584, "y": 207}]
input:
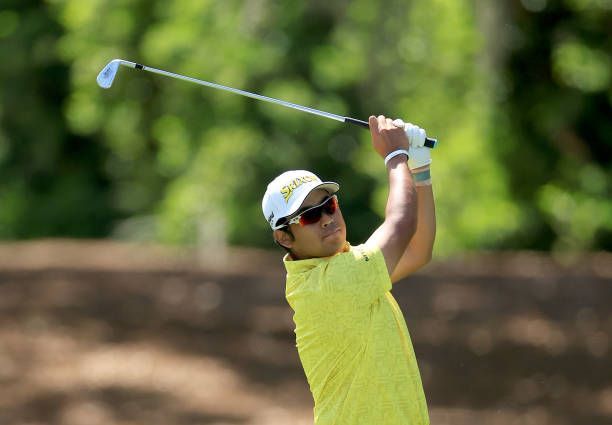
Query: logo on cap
[{"x": 288, "y": 189}]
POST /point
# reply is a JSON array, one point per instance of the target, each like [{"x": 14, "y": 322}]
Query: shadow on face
[{"x": 324, "y": 238}]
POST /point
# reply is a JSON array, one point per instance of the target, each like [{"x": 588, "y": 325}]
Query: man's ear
[{"x": 283, "y": 238}]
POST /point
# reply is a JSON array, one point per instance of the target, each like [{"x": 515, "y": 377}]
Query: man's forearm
[
  {"x": 400, "y": 214},
  {"x": 422, "y": 242},
  {"x": 419, "y": 249},
  {"x": 401, "y": 205}
]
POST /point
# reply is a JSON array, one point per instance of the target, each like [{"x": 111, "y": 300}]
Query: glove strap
[{"x": 422, "y": 178}]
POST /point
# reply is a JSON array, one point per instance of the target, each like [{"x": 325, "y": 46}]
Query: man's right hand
[{"x": 386, "y": 137}]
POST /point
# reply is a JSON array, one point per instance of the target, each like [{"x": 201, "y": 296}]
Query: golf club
[{"x": 107, "y": 76}]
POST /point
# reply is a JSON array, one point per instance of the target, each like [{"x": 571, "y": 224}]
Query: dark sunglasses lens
[
  {"x": 314, "y": 215},
  {"x": 331, "y": 205},
  {"x": 311, "y": 216}
]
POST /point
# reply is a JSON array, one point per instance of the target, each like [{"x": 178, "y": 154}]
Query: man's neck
[{"x": 291, "y": 256}]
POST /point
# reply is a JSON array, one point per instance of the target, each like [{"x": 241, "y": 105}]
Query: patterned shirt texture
[{"x": 353, "y": 341}]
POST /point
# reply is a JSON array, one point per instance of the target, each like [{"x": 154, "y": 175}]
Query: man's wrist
[
  {"x": 394, "y": 154},
  {"x": 422, "y": 176}
]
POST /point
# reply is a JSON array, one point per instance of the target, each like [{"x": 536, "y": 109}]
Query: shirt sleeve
[{"x": 358, "y": 277}]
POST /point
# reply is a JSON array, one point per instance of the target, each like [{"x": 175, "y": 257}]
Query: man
[{"x": 351, "y": 335}]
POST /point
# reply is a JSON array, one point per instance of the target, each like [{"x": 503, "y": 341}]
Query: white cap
[{"x": 286, "y": 193}]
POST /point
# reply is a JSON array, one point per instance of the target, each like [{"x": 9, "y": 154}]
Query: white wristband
[{"x": 394, "y": 154}]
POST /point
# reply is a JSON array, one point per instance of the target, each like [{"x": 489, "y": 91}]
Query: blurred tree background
[{"x": 518, "y": 92}]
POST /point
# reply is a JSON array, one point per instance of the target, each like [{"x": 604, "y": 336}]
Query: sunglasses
[{"x": 313, "y": 214}]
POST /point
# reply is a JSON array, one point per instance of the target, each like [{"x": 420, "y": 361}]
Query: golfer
[{"x": 351, "y": 335}]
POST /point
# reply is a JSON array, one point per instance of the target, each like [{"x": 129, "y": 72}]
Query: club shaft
[
  {"x": 430, "y": 143},
  {"x": 236, "y": 91}
]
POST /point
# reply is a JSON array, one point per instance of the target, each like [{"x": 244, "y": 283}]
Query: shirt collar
[{"x": 300, "y": 266}]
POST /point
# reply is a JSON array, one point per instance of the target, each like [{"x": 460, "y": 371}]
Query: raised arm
[{"x": 393, "y": 235}]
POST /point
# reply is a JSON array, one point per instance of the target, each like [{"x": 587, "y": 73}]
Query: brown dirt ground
[{"x": 95, "y": 332}]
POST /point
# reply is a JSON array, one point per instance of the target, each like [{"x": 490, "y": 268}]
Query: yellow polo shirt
[{"x": 353, "y": 341}]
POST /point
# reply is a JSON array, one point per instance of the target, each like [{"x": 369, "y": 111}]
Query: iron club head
[{"x": 107, "y": 75}]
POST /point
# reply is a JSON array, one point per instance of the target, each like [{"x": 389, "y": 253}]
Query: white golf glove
[{"x": 418, "y": 154}]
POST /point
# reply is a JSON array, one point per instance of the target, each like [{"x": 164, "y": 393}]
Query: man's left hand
[{"x": 419, "y": 155}]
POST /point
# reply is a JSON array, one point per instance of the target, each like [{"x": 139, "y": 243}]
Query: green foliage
[
  {"x": 51, "y": 180},
  {"x": 555, "y": 124},
  {"x": 517, "y": 97},
  {"x": 579, "y": 66},
  {"x": 579, "y": 207}
]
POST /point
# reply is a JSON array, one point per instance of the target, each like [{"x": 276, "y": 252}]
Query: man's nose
[{"x": 326, "y": 219}]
